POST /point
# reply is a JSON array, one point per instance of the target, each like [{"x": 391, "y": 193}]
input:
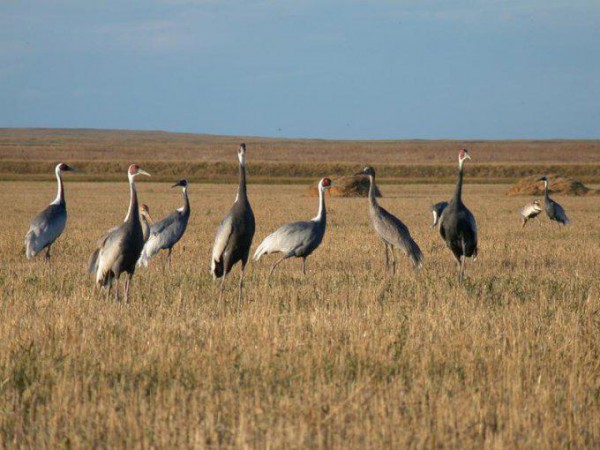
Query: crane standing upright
[
  {"x": 457, "y": 226},
  {"x": 49, "y": 224},
  {"x": 297, "y": 239},
  {"x": 145, "y": 220},
  {"x": 123, "y": 245},
  {"x": 390, "y": 229},
  {"x": 554, "y": 211},
  {"x": 235, "y": 233},
  {"x": 167, "y": 232}
]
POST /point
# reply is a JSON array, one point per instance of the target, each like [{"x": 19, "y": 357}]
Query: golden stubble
[{"x": 347, "y": 357}]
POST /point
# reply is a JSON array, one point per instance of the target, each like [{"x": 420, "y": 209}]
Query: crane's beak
[
  {"x": 359, "y": 174},
  {"x": 72, "y": 169},
  {"x": 142, "y": 172},
  {"x": 467, "y": 156},
  {"x": 150, "y": 219}
]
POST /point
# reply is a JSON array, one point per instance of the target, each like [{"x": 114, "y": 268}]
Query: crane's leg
[
  {"x": 461, "y": 270},
  {"x": 116, "y": 280},
  {"x": 47, "y": 255},
  {"x": 387, "y": 256},
  {"x": 127, "y": 284},
  {"x": 169, "y": 256},
  {"x": 539, "y": 221},
  {"x": 304, "y": 265},
  {"x": 276, "y": 263},
  {"x": 241, "y": 286},
  {"x": 393, "y": 260},
  {"x": 524, "y": 222},
  {"x": 222, "y": 287}
]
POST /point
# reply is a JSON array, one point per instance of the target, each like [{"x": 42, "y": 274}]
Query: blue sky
[{"x": 328, "y": 69}]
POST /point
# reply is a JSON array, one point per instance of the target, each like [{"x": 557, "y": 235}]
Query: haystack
[
  {"x": 352, "y": 186},
  {"x": 557, "y": 184}
]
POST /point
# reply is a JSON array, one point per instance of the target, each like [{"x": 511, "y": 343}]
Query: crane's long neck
[
  {"x": 546, "y": 189},
  {"x": 60, "y": 194},
  {"x": 372, "y": 188},
  {"x": 322, "y": 213},
  {"x": 242, "y": 186},
  {"x": 186, "y": 202},
  {"x": 132, "y": 212},
  {"x": 459, "y": 182}
]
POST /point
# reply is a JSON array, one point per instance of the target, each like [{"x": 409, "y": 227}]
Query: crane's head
[
  {"x": 367, "y": 171},
  {"x": 242, "y": 154},
  {"x": 463, "y": 154},
  {"x": 62, "y": 167},
  {"x": 145, "y": 212},
  {"x": 536, "y": 202},
  {"x": 325, "y": 183},
  {"x": 135, "y": 170},
  {"x": 181, "y": 183},
  {"x": 544, "y": 178}
]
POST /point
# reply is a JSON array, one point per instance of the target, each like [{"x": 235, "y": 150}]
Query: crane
[
  {"x": 457, "y": 225},
  {"x": 166, "y": 233},
  {"x": 390, "y": 229},
  {"x": 235, "y": 233},
  {"x": 49, "y": 224},
  {"x": 530, "y": 211},
  {"x": 123, "y": 245},
  {"x": 146, "y": 221},
  {"x": 554, "y": 211},
  {"x": 297, "y": 239}
]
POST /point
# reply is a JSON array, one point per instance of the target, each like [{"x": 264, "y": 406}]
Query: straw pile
[
  {"x": 557, "y": 184},
  {"x": 352, "y": 186}
]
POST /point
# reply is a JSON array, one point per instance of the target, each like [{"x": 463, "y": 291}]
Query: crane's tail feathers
[
  {"x": 30, "y": 247},
  {"x": 93, "y": 261},
  {"x": 151, "y": 248},
  {"x": 268, "y": 245},
  {"x": 415, "y": 254},
  {"x": 216, "y": 268}
]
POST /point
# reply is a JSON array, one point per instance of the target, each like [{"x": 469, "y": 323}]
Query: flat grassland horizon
[
  {"x": 103, "y": 155},
  {"x": 348, "y": 356}
]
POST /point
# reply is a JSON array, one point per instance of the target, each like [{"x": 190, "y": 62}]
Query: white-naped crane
[
  {"x": 437, "y": 211},
  {"x": 123, "y": 245},
  {"x": 235, "y": 233},
  {"x": 390, "y": 229},
  {"x": 167, "y": 232},
  {"x": 297, "y": 239},
  {"x": 49, "y": 224},
  {"x": 457, "y": 225},
  {"x": 146, "y": 221},
  {"x": 553, "y": 210},
  {"x": 530, "y": 211}
]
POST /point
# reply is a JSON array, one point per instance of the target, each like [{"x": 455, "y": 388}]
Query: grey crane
[
  {"x": 390, "y": 229},
  {"x": 298, "y": 239},
  {"x": 49, "y": 224},
  {"x": 554, "y": 211},
  {"x": 166, "y": 233},
  {"x": 437, "y": 211},
  {"x": 122, "y": 246},
  {"x": 457, "y": 225},
  {"x": 530, "y": 211},
  {"x": 235, "y": 233},
  {"x": 146, "y": 221}
]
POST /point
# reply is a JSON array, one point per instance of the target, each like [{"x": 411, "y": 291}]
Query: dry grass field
[
  {"x": 346, "y": 357},
  {"x": 103, "y": 155}
]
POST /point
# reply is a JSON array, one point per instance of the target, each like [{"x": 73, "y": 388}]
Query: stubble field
[{"x": 347, "y": 357}]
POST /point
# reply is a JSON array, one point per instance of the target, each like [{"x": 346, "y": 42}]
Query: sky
[{"x": 343, "y": 69}]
